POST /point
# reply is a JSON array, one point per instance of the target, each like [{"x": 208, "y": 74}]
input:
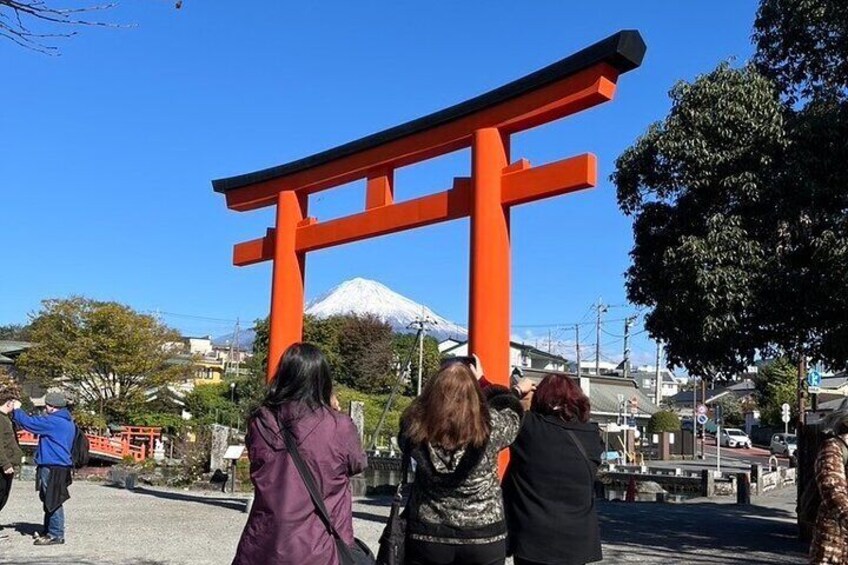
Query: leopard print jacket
[
  {"x": 830, "y": 538},
  {"x": 456, "y": 497}
]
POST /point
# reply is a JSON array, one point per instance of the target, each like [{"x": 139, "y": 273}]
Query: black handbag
[
  {"x": 356, "y": 554},
  {"x": 391, "y": 551}
]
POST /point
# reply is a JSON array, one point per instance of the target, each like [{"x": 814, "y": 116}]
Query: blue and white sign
[
  {"x": 702, "y": 419},
  {"x": 813, "y": 381}
]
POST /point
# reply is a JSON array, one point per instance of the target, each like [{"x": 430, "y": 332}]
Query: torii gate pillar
[
  {"x": 489, "y": 300},
  {"x": 286, "y": 320}
]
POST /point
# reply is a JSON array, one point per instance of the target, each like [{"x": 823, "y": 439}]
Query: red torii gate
[{"x": 484, "y": 123}]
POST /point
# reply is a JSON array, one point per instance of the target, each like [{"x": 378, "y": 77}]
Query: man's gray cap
[{"x": 55, "y": 399}]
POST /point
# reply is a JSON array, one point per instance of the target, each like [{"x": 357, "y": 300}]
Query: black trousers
[
  {"x": 428, "y": 553},
  {"x": 5, "y": 488}
]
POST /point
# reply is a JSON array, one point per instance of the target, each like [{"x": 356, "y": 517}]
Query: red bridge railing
[{"x": 117, "y": 447}]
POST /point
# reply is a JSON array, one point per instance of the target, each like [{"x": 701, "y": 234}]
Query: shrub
[{"x": 663, "y": 421}]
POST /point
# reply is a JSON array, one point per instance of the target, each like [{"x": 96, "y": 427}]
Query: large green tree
[
  {"x": 366, "y": 354},
  {"x": 106, "y": 354},
  {"x": 739, "y": 202},
  {"x": 775, "y": 384},
  {"x": 359, "y": 349},
  {"x": 696, "y": 185}
]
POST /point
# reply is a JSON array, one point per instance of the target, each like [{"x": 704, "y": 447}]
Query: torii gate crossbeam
[{"x": 484, "y": 124}]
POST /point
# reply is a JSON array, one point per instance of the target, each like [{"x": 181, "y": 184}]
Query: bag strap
[
  {"x": 579, "y": 446},
  {"x": 404, "y": 475},
  {"x": 312, "y": 488}
]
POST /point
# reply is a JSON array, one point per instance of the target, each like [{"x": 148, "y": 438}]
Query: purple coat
[{"x": 283, "y": 526}]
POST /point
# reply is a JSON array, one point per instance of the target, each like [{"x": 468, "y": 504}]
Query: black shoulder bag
[
  {"x": 358, "y": 553},
  {"x": 391, "y": 551}
]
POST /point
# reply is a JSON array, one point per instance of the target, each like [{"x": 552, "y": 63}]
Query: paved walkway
[{"x": 108, "y": 526}]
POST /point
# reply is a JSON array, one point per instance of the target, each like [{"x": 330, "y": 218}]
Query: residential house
[
  {"x": 610, "y": 397},
  {"x": 645, "y": 376},
  {"x": 521, "y": 356}
]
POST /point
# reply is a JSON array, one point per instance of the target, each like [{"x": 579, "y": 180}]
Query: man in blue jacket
[{"x": 55, "y": 432}]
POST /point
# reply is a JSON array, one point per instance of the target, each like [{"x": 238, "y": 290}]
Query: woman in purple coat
[{"x": 283, "y": 526}]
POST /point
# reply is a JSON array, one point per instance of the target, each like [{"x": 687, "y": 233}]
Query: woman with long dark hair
[
  {"x": 454, "y": 432},
  {"x": 549, "y": 484},
  {"x": 283, "y": 527}
]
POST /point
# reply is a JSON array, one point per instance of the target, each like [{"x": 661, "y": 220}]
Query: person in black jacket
[
  {"x": 549, "y": 484},
  {"x": 10, "y": 451}
]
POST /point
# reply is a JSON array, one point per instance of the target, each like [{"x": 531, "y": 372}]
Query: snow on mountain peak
[{"x": 362, "y": 296}]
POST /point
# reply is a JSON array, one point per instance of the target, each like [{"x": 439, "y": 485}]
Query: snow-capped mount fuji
[{"x": 362, "y": 296}]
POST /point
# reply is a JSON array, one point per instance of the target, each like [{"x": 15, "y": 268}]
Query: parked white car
[
  {"x": 784, "y": 444},
  {"x": 734, "y": 437}
]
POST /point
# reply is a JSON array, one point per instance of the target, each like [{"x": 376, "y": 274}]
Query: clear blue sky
[{"x": 107, "y": 152}]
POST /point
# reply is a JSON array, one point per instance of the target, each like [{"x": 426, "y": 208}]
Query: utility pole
[
  {"x": 238, "y": 347},
  {"x": 421, "y": 357},
  {"x": 421, "y": 324},
  {"x": 802, "y": 375},
  {"x": 577, "y": 339},
  {"x": 628, "y": 323},
  {"x": 601, "y": 309},
  {"x": 549, "y": 340},
  {"x": 694, "y": 418},
  {"x": 658, "y": 376}
]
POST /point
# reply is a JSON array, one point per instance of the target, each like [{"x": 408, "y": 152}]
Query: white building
[
  {"x": 520, "y": 355},
  {"x": 587, "y": 367},
  {"x": 645, "y": 376}
]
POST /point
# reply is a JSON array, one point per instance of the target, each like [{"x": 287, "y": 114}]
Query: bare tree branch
[{"x": 20, "y": 18}]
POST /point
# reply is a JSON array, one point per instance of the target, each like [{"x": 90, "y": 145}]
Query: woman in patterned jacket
[
  {"x": 454, "y": 432},
  {"x": 830, "y": 538}
]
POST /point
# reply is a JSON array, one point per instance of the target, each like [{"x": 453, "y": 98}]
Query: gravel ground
[{"x": 109, "y": 526}]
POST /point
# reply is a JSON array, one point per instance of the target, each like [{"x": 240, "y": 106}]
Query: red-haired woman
[
  {"x": 453, "y": 433},
  {"x": 549, "y": 484}
]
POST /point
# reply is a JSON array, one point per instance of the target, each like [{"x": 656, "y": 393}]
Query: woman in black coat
[{"x": 549, "y": 484}]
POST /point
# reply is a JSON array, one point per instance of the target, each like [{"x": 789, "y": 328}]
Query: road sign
[
  {"x": 702, "y": 409},
  {"x": 785, "y": 418},
  {"x": 634, "y": 405},
  {"x": 814, "y": 389},
  {"x": 785, "y": 408},
  {"x": 814, "y": 379},
  {"x": 702, "y": 419}
]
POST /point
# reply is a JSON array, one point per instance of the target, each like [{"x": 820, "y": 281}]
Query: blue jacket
[{"x": 55, "y": 436}]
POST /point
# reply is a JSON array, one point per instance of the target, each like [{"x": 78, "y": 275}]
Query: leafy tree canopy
[
  {"x": 731, "y": 410},
  {"x": 14, "y": 332},
  {"x": 775, "y": 384},
  {"x": 696, "y": 184},
  {"x": 740, "y": 213},
  {"x": 360, "y": 350},
  {"x": 802, "y": 45},
  {"x": 106, "y": 354}
]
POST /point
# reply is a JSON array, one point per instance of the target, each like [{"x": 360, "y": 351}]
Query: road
[
  {"x": 109, "y": 526},
  {"x": 747, "y": 457}
]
